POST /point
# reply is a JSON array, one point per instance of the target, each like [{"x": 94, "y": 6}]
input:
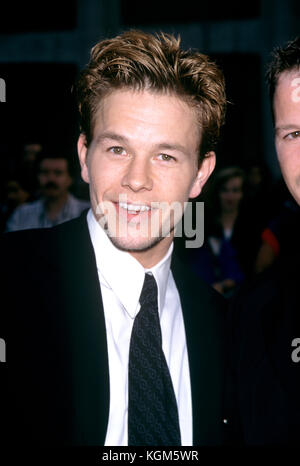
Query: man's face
[
  {"x": 15, "y": 194},
  {"x": 144, "y": 152},
  {"x": 54, "y": 178},
  {"x": 287, "y": 127},
  {"x": 31, "y": 151},
  {"x": 231, "y": 194}
]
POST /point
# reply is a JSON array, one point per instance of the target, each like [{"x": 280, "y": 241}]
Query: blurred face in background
[
  {"x": 15, "y": 194},
  {"x": 231, "y": 194},
  {"x": 54, "y": 178},
  {"x": 31, "y": 151},
  {"x": 255, "y": 177},
  {"x": 287, "y": 129}
]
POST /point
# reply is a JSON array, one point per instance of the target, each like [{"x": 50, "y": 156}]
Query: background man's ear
[
  {"x": 82, "y": 154},
  {"x": 204, "y": 172}
]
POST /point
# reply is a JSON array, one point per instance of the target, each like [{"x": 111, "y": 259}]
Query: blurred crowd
[
  {"x": 247, "y": 217},
  {"x": 41, "y": 189}
]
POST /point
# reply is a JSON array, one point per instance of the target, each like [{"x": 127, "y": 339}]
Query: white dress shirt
[
  {"x": 34, "y": 215},
  {"x": 121, "y": 279}
]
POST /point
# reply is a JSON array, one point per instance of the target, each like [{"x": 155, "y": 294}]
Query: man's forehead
[
  {"x": 287, "y": 93},
  {"x": 151, "y": 110},
  {"x": 289, "y": 77}
]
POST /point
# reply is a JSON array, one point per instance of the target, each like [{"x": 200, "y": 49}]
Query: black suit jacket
[
  {"x": 57, "y": 361},
  {"x": 264, "y": 320}
]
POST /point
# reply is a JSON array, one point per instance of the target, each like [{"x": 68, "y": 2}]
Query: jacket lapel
[
  {"x": 203, "y": 316},
  {"x": 86, "y": 343}
]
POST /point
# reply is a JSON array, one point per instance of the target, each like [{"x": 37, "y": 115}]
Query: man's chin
[
  {"x": 52, "y": 194},
  {"x": 134, "y": 244}
]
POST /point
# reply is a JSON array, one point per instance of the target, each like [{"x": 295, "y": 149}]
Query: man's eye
[
  {"x": 293, "y": 135},
  {"x": 117, "y": 150},
  {"x": 166, "y": 157}
]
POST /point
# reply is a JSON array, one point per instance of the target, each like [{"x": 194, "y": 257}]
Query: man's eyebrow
[
  {"x": 110, "y": 135},
  {"x": 123, "y": 139},
  {"x": 175, "y": 146},
  {"x": 287, "y": 128}
]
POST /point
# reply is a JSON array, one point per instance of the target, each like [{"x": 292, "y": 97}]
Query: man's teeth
[{"x": 133, "y": 209}]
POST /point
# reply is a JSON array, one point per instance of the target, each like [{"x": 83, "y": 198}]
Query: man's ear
[
  {"x": 207, "y": 167},
  {"x": 82, "y": 154}
]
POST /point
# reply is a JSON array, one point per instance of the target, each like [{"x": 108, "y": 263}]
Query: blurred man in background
[
  {"x": 16, "y": 192},
  {"x": 56, "y": 204}
]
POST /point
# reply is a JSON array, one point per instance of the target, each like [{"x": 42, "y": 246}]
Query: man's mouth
[
  {"x": 51, "y": 186},
  {"x": 134, "y": 208}
]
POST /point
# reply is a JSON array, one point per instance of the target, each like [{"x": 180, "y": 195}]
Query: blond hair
[{"x": 141, "y": 61}]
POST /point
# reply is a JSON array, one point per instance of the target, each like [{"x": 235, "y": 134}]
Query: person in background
[
  {"x": 259, "y": 191},
  {"x": 275, "y": 233},
  {"x": 31, "y": 151},
  {"x": 264, "y": 318},
  {"x": 56, "y": 204},
  {"x": 225, "y": 258},
  {"x": 258, "y": 181},
  {"x": 16, "y": 193}
]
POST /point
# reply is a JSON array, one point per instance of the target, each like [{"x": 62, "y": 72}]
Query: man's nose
[{"x": 138, "y": 175}]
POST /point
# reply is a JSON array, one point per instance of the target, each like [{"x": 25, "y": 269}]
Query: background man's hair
[
  {"x": 220, "y": 179},
  {"x": 54, "y": 154},
  {"x": 286, "y": 58},
  {"x": 138, "y": 60}
]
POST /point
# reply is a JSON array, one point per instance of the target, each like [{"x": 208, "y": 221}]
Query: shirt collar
[
  {"x": 122, "y": 273},
  {"x": 161, "y": 272}
]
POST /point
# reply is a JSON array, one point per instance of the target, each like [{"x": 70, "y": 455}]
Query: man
[
  {"x": 265, "y": 316},
  {"x": 93, "y": 369},
  {"x": 56, "y": 205},
  {"x": 31, "y": 150},
  {"x": 16, "y": 193}
]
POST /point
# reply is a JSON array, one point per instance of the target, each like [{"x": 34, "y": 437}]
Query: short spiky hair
[
  {"x": 285, "y": 58},
  {"x": 138, "y": 60}
]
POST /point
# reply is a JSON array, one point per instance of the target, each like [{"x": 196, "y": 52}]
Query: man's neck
[
  {"x": 228, "y": 218},
  {"x": 154, "y": 255}
]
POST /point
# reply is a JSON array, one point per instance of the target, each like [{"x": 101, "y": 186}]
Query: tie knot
[{"x": 149, "y": 291}]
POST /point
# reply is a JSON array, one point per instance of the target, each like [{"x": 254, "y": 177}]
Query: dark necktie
[{"x": 152, "y": 407}]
